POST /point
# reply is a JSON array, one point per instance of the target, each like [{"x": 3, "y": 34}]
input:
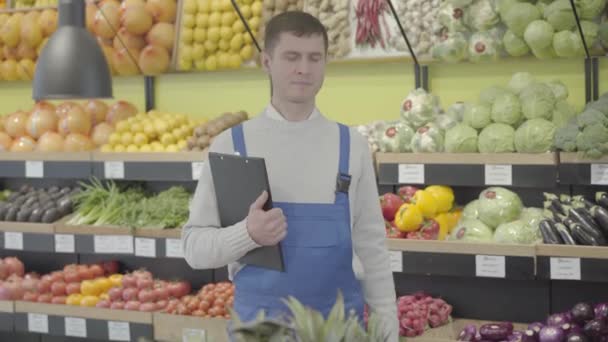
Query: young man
[{"x": 326, "y": 210}]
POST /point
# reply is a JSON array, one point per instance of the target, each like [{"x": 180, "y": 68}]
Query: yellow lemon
[
  {"x": 74, "y": 299},
  {"x": 216, "y": 6},
  {"x": 236, "y": 43},
  {"x": 132, "y": 148},
  {"x": 235, "y": 61},
  {"x": 204, "y": 6},
  {"x": 137, "y": 127},
  {"x": 114, "y": 138},
  {"x": 190, "y": 6},
  {"x": 157, "y": 146},
  {"x": 256, "y": 8},
  {"x": 200, "y": 35},
  {"x": 246, "y": 11},
  {"x": 247, "y": 38},
  {"x": 116, "y": 279},
  {"x": 122, "y": 126},
  {"x": 210, "y": 46},
  {"x": 198, "y": 51},
  {"x": 126, "y": 138},
  {"x": 149, "y": 130},
  {"x": 188, "y": 20},
  {"x": 246, "y": 52},
  {"x": 182, "y": 144},
  {"x": 215, "y": 19},
  {"x": 184, "y": 65},
  {"x": 223, "y": 60},
  {"x": 228, "y": 18},
  {"x": 185, "y": 52},
  {"x": 200, "y": 64},
  {"x": 226, "y": 5},
  {"x": 106, "y": 148},
  {"x": 119, "y": 148},
  {"x": 172, "y": 148},
  {"x": 187, "y": 35},
  {"x": 160, "y": 126},
  {"x": 254, "y": 23},
  {"x": 211, "y": 63},
  {"x": 226, "y": 33},
  {"x": 145, "y": 148},
  {"x": 213, "y": 34},
  {"x": 238, "y": 27},
  {"x": 202, "y": 20},
  {"x": 224, "y": 45},
  {"x": 140, "y": 139},
  {"x": 167, "y": 139}
]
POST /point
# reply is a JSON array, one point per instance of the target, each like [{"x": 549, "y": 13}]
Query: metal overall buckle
[{"x": 343, "y": 182}]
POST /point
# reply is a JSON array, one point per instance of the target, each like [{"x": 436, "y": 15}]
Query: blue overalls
[{"x": 317, "y": 254}]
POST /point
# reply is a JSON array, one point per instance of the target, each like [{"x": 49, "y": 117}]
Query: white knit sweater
[{"x": 302, "y": 161}]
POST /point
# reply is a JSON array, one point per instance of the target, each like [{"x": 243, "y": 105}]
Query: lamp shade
[{"x": 72, "y": 64}]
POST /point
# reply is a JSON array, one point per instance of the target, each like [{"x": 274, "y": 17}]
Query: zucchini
[
  {"x": 582, "y": 237},
  {"x": 564, "y": 233},
  {"x": 549, "y": 233},
  {"x": 600, "y": 215},
  {"x": 588, "y": 224},
  {"x": 601, "y": 198}
]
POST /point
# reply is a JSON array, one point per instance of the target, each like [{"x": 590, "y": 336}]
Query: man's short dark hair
[{"x": 297, "y": 23}]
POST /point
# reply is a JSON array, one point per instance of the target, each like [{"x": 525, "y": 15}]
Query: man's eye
[{"x": 292, "y": 57}]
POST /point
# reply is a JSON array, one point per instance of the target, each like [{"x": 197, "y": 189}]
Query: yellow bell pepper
[
  {"x": 444, "y": 196},
  {"x": 426, "y": 202},
  {"x": 453, "y": 218},
  {"x": 443, "y": 221},
  {"x": 408, "y": 218}
]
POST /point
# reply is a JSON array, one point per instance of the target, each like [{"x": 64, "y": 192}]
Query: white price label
[
  {"x": 38, "y": 323},
  {"x": 498, "y": 174},
  {"x": 193, "y": 335},
  {"x": 565, "y": 268},
  {"x": 492, "y": 266},
  {"x": 396, "y": 261},
  {"x": 119, "y": 331},
  {"x": 76, "y": 327},
  {"x": 145, "y": 247},
  {"x": 197, "y": 169},
  {"x": 599, "y": 174},
  {"x": 34, "y": 169},
  {"x": 173, "y": 248},
  {"x": 64, "y": 243},
  {"x": 114, "y": 169},
  {"x": 411, "y": 174},
  {"x": 13, "y": 240},
  {"x": 119, "y": 244}
]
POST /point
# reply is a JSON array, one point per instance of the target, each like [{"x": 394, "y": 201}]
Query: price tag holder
[
  {"x": 76, "y": 327},
  {"x": 64, "y": 243},
  {"x": 145, "y": 247},
  {"x": 599, "y": 174},
  {"x": 13, "y": 240},
  {"x": 411, "y": 174},
  {"x": 114, "y": 170},
  {"x": 498, "y": 174},
  {"x": 34, "y": 169},
  {"x": 492, "y": 266},
  {"x": 38, "y": 323},
  {"x": 119, "y": 331},
  {"x": 396, "y": 261},
  {"x": 565, "y": 268},
  {"x": 173, "y": 248},
  {"x": 119, "y": 244},
  {"x": 197, "y": 169},
  {"x": 194, "y": 335}
]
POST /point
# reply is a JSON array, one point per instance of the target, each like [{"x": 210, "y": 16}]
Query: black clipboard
[{"x": 238, "y": 182}]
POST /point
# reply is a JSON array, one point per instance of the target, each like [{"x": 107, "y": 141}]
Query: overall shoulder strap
[
  {"x": 343, "y": 179},
  {"x": 238, "y": 140}
]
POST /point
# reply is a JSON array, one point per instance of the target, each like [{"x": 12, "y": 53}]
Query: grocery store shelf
[
  {"x": 45, "y": 165},
  {"x": 96, "y": 323},
  {"x": 450, "y": 331},
  {"x": 576, "y": 170},
  {"x": 33, "y": 237},
  {"x": 446, "y": 258},
  {"x": 177, "y": 166},
  {"x": 468, "y": 169},
  {"x": 583, "y": 263},
  {"x": 98, "y": 240},
  {"x": 177, "y": 328},
  {"x": 6, "y": 315},
  {"x": 26, "y": 227}
]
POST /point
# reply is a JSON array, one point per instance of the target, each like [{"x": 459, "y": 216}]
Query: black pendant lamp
[{"x": 72, "y": 64}]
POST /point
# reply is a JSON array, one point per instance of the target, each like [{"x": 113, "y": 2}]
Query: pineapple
[{"x": 308, "y": 325}]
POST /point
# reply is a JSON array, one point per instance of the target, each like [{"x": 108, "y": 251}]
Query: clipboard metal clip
[{"x": 343, "y": 183}]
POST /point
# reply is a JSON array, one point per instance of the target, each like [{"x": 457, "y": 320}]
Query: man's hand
[{"x": 266, "y": 228}]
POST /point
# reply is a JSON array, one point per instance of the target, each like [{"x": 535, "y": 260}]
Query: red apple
[
  {"x": 407, "y": 193},
  {"x": 390, "y": 204}
]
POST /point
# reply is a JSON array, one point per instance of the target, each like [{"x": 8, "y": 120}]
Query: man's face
[{"x": 296, "y": 67}]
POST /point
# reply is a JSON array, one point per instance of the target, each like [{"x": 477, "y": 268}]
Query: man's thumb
[{"x": 260, "y": 201}]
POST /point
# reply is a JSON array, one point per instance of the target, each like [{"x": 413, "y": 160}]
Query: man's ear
[{"x": 265, "y": 59}]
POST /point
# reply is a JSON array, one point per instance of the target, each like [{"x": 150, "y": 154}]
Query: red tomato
[
  {"x": 117, "y": 305},
  {"x": 72, "y": 288},
  {"x": 44, "y": 285},
  {"x": 132, "y": 305},
  {"x": 146, "y": 296},
  {"x": 144, "y": 282},
  {"x": 30, "y": 297},
  {"x": 161, "y": 293},
  {"x": 115, "y": 293},
  {"x": 58, "y": 288},
  {"x": 45, "y": 298},
  {"x": 71, "y": 276},
  {"x": 110, "y": 267},
  {"x": 59, "y": 300},
  {"x": 57, "y": 276},
  {"x": 129, "y": 280},
  {"x": 84, "y": 273},
  {"x": 96, "y": 270},
  {"x": 147, "y": 307}
]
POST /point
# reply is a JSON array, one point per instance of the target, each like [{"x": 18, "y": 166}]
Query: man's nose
[{"x": 303, "y": 67}]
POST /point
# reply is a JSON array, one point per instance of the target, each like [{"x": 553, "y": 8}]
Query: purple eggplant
[
  {"x": 529, "y": 336},
  {"x": 551, "y": 334},
  {"x": 596, "y": 328},
  {"x": 558, "y": 319},
  {"x": 601, "y": 311},
  {"x": 468, "y": 333},
  {"x": 577, "y": 337},
  {"x": 535, "y": 327},
  {"x": 515, "y": 336},
  {"x": 495, "y": 332},
  {"x": 582, "y": 313},
  {"x": 569, "y": 328}
]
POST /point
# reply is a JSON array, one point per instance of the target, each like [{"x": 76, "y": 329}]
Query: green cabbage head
[
  {"x": 518, "y": 16},
  {"x": 519, "y": 81},
  {"x": 514, "y": 45},
  {"x": 471, "y": 210},
  {"x": 477, "y": 115},
  {"x": 537, "y": 101},
  {"x": 516, "y": 232},
  {"x": 535, "y": 136},
  {"x": 496, "y": 138},
  {"x": 471, "y": 230},
  {"x": 539, "y": 35},
  {"x": 506, "y": 109},
  {"x": 428, "y": 138},
  {"x": 461, "y": 139},
  {"x": 589, "y": 9},
  {"x": 498, "y": 205},
  {"x": 559, "y": 89},
  {"x": 560, "y": 15}
]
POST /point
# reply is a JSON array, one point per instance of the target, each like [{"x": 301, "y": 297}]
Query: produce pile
[
  {"x": 521, "y": 117},
  {"x": 498, "y": 215},
  {"x": 67, "y": 127},
  {"x": 212, "y": 300},
  {"x": 22, "y": 37},
  {"x": 575, "y": 220},
  {"x": 213, "y": 36},
  {"x": 420, "y": 214},
  {"x": 586, "y": 133},
  {"x": 482, "y": 30},
  {"x": 204, "y": 133},
  {"x": 584, "y": 322},
  {"x": 130, "y": 206},
  {"x": 34, "y": 3},
  {"x": 420, "y": 312},
  {"x": 150, "y": 132},
  {"x": 271, "y": 8},
  {"x": 419, "y": 20},
  {"x": 45, "y": 205},
  {"x": 335, "y": 16},
  {"x": 136, "y": 35}
]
